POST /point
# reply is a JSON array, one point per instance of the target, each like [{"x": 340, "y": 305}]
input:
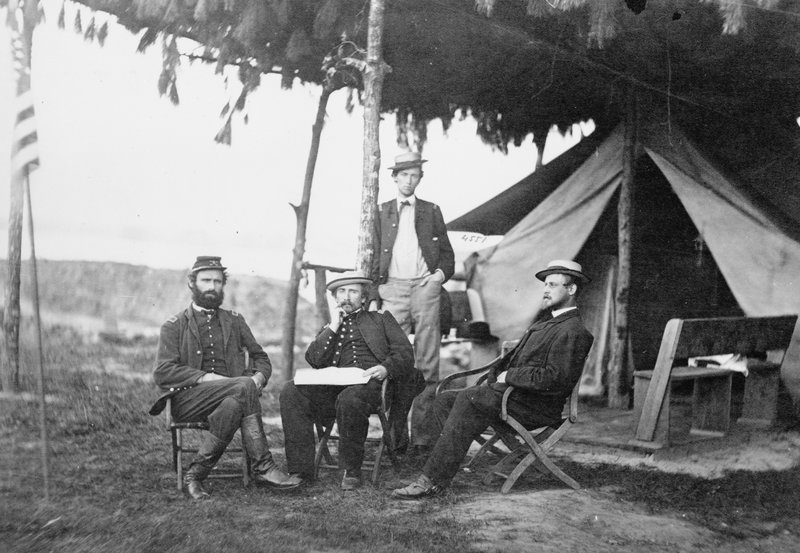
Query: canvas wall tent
[{"x": 704, "y": 245}]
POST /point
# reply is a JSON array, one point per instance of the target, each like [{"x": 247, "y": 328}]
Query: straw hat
[{"x": 563, "y": 267}]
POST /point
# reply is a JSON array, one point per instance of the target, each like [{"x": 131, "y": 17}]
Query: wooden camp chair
[
  {"x": 323, "y": 458},
  {"x": 176, "y": 429},
  {"x": 536, "y": 442},
  {"x": 526, "y": 447}
]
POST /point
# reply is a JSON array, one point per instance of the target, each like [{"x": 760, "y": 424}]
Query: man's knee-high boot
[
  {"x": 207, "y": 456},
  {"x": 265, "y": 471}
]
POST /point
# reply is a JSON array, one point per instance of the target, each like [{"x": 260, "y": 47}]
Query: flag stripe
[
  {"x": 27, "y": 157},
  {"x": 23, "y": 129},
  {"x": 24, "y": 147}
]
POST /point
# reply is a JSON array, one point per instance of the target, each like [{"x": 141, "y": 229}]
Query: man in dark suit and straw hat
[
  {"x": 413, "y": 259},
  {"x": 543, "y": 369},
  {"x": 200, "y": 364},
  {"x": 370, "y": 341}
]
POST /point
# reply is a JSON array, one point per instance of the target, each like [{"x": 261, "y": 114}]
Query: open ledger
[{"x": 330, "y": 376}]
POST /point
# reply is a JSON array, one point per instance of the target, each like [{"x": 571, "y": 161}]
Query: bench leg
[
  {"x": 711, "y": 405},
  {"x": 760, "y": 405},
  {"x": 661, "y": 437}
]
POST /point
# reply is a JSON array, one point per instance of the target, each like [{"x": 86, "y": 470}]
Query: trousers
[
  {"x": 416, "y": 309},
  {"x": 459, "y": 418},
  {"x": 223, "y": 403},
  {"x": 350, "y": 406}
]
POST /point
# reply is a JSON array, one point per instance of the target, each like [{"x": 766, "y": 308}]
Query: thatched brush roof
[{"x": 727, "y": 71}]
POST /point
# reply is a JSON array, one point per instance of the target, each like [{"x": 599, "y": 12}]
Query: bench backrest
[
  {"x": 749, "y": 336},
  {"x": 684, "y": 338}
]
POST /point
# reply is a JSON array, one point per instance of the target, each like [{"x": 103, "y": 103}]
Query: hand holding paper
[{"x": 378, "y": 372}]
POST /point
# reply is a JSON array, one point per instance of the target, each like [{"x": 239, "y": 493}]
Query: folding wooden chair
[
  {"x": 176, "y": 429},
  {"x": 535, "y": 444},
  {"x": 385, "y": 443}
]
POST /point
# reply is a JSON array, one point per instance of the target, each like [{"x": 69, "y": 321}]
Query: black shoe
[
  {"x": 276, "y": 478},
  {"x": 195, "y": 489},
  {"x": 208, "y": 454}
]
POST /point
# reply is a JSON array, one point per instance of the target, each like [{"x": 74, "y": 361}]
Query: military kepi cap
[
  {"x": 563, "y": 267},
  {"x": 204, "y": 262}
]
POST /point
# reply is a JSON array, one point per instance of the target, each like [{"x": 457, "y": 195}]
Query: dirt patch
[
  {"x": 762, "y": 451},
  {"x": 567, "y": 520},
  {"x": 550, "y": 518}
]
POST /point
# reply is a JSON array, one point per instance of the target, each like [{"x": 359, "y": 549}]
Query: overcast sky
[{"x": 126, "y": 176}]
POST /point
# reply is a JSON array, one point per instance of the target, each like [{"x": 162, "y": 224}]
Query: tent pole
[
  {"x": 617, "y": 374},
  {"x": 289, "y": 322},
  {"x": 373, "y": 90}
]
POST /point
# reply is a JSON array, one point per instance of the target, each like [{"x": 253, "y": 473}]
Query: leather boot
[
  {"x": 207, "y": 456},
  {"x": 265, "y": 470}
]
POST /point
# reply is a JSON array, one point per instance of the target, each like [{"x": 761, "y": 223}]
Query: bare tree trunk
[
  {"x": 373, "y": 88},
  {"x": 289, "y": 323},
  {"x": 618, "y": 375}
]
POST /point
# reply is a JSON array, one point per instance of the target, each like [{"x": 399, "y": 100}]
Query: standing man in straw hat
[
  {"x": 543, "y": 369},
  {"x": 200, "y": 364},
  {"x": 413, "y": 259},
  {"x": 359, "y": 338}
]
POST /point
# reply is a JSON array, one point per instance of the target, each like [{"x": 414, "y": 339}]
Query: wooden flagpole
[{"x": 39, "y": 347}]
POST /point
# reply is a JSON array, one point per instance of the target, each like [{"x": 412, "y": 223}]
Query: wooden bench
[{"x": 753, "y": 337}]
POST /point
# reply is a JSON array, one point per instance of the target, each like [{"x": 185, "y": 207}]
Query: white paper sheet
[{"x": 330, "y": 376}]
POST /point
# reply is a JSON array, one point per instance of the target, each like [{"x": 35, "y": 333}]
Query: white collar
[{"x": 558, "y": 312}]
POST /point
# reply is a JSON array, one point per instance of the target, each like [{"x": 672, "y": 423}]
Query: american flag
[{"x": 22, "y": 17}]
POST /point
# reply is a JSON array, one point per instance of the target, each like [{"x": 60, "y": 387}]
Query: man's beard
[
  {"x": 548, "y": 305},
  {"x": 209, "y": 299}
]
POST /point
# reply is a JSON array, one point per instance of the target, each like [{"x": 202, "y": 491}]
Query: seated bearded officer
[
  {"x": 200, "y": 364},
  {"x": 359, "y": 338},
  {"x": 543, "y": 369}
]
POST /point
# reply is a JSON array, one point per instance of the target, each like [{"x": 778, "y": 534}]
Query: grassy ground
[{"x": 112, "y": 488}]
